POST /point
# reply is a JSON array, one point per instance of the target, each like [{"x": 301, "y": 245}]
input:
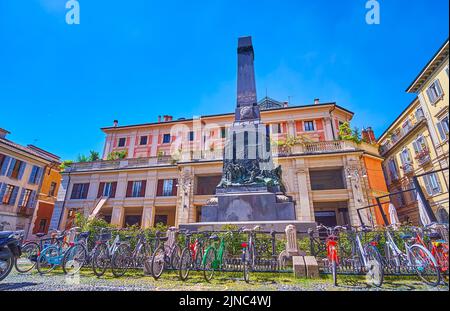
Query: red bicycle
[
  {"x": 438, "y": 247},
  {"x": 332, "y": 249},
  {"x": 191, "y": 256}
]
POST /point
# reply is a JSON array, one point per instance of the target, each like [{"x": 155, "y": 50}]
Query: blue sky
[{"x": 134, "y": 60}]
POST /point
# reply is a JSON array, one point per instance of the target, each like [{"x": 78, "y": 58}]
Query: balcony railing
[
  {"x": 217, "y": 155},
  {"x": 423, "y": 157}
]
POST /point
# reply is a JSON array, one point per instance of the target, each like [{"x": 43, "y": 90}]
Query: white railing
[{"x": 217, "y": 155}]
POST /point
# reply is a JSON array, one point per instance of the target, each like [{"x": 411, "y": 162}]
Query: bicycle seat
[
  {"x": 40, "y": 235},
  {"x": 214, "y": 237},
  {"x": 406, "y": 236},
  {"x": 163, "y": 238},
  {"x": 127, "y": 237}
]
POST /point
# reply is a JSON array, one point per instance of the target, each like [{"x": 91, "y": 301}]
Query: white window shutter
[{"x": 438, "y": 88}]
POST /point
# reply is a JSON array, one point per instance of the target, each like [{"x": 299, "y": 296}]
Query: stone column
[
  {"x": 304, "y": 209},
  {"x": 147, "y": 217},
  {"x": 118, "y": 215}
]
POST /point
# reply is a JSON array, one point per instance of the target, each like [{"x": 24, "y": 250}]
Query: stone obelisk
[{"x": 251, "y": 188}]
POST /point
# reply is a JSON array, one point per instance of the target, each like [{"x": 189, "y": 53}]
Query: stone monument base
[{"x": 277, "y": 226}]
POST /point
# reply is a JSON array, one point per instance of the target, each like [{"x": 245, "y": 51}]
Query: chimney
[
  {"x": 169, "y": 118},
  {"x": 285, "y": 104},
  {"x": 165, "y": 118},
  {"x": 368, "y": 135},
  {"x": 316, "y": 101},
  {"x": 159, "y": 119},
  {"x": 3, "y": 133},
  {"x": 115, "y": 123}
]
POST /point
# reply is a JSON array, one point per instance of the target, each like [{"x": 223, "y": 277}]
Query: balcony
[
  {"x": 402, "y": 133},
  {"x": 424, "y": 157},
  {"x": 309, "y": 148},
  {"x": 407, "y": 168},
  {"x": 25, "y": 212}
]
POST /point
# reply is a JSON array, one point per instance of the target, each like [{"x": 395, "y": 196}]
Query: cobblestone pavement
[{"x": 134, "y": 281}]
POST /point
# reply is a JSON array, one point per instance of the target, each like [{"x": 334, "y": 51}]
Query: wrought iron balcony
[{"x": 424, "y": 157}]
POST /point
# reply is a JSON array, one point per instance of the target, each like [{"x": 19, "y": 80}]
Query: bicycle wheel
[
  {"x": 246, "y": 266},
  {"x": 375, "y": 273},
  {"x": 6, "y": 265},
  {"x": 141, "y": 256},
  {"x": 27, "y": 260},
  {"x": 100, "y": 259},
  {"x": 209, "y": 261},
  {"x": 49, "y": 259},
  {"x": 74, "y": 259},
  {"x": 157, "y": 262},
  {"x": 425, "y": 265},
  {"x": 121, "y": 260},
  {"x": 185, "y": 264},
  {"x": 334, "y": 272},
  {"x": 175, "y": 255},
  {"x": 198, "y": 259}
]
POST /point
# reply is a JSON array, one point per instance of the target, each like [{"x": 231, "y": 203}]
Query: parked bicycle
[
  {"x": 166, "y": 256},
  {"x": 439, "y": 248},
  {"x": 51, "y": 256},
  {"x": 331, "y": 243},
  {"x": 141, "y": 252},
  {"x": 416, "y": 256},
  {"x": 366, "y": 257},
  {"x": 214, "y": 256},
  {"x": 31, "y": 250},
  {"x": 249, "y": 252},
  {"x": 191, "y": 256},
  {"x": 78, "y": 255},
  {"x": 116, "y": 254}
]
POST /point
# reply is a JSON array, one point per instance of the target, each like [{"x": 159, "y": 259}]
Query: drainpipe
[{"x": 331, "y": 120}]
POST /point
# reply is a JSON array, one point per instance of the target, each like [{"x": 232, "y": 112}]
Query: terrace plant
[
  {"x": 349, "y": 134},
  {"x": 117, "y": 155}
]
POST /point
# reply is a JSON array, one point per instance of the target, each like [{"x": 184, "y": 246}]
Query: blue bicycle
[{"x": 52, "y": 256}]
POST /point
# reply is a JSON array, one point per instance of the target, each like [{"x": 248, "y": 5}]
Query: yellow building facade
[{"x": 416, "y": 143}]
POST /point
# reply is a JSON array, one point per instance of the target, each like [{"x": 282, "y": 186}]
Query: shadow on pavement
[{"x": 13, "y": 286}]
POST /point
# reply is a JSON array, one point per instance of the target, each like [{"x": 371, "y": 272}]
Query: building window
[
  {"x": 420, "y": 145},
  {"x": 16, "y": 169},
  {"x": 442, "y": 126},
  {"x": 432, "y": 184},
  {"x": 309, "y": 126},
  {"x": 222, "y": 132},
  {"x": 122, "y": 142},
  {"x": 26, "y": 198},
  {"x": 80, "y": 191},
  {"x": 136, "y": 189},
  {"x": 327, "y": 179},
  {"x": 393, "y": 171},
  {"x": 143, "y": 140},
  {"x": 434, "y": 92},
  {"x": 166, "y": 188},
  {"x": 52, "y": 190},
  {"x": 191, "y": 136},
  {"x": 206, "y": 185},
  {"x": 419, "y": 114},
  {"x": 35, "y": 175},
  {"x": 2, "y": 158},
  {"x": 107, "y": 189},
  {"x": 8, "y": 197},
  {"x": 166, "y": 138},
  {"x": 406, "y": 160}
]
